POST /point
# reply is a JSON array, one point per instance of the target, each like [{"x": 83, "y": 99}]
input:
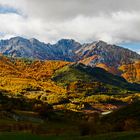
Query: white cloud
[{"x": 50, "y": 20}]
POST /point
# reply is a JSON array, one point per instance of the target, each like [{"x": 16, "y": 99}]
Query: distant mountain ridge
[
  {"x": 33, "y": 48},
  {"x": 69, "y": 50}
]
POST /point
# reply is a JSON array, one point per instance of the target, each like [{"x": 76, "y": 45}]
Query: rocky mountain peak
[
  {"x": 69, "y": 50},
  {"x": 101, "y": 43},
  {"x": 70, "y": 43}
]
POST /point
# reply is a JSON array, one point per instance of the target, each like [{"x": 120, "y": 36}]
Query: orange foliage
[
  {"x": 110, "y": 69},
  {"x": 131, "y": 72},
  {"x": 43, "y": 69},
  {"x": 19, "y": 75}
]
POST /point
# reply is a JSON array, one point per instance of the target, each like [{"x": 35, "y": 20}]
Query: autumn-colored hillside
[
  {"x": 19, "y": 75},
  {"x": 58, "y": 91},
  {"x": 131, "y": 72},
  {"x": 7, "y": 67},
  {"x": 65, "y": 85},
  {"x": 43, "y": 70},
  {"x": 26, "y": 67},
  {"x": 94, "y": 58}
]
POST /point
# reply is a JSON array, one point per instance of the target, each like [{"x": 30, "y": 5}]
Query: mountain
[
  {"x": 63, "y": 85},
  {"x": 20, "y": 47},
  {"x": 68, "y": 50},
  {"x": 34, "y": 49},
  {"x": 42, "y": 70},
  {"x": 112, "y": 58},
  {"x": 26, "y": 68},
  {"x": 18, "y": 74},
  {"x": 101, "y": 52},
  {"x": 65, "y": 49},
  {"x": 81, "y": 75}
]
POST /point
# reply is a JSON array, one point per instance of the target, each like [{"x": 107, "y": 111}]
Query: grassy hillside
[{"x": 86, "y": 74}]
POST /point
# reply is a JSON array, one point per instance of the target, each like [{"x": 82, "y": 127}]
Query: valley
[{"x": 89, "y": 94}]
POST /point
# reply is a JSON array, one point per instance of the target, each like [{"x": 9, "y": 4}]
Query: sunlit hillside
[{"x": 131, "y": 72}]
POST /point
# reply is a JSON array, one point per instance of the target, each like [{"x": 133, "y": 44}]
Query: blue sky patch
[
  {"x": 135, "y": 46},
  {"x": 7, "y": 9}
]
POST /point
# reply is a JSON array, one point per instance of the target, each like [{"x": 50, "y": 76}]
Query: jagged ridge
[{"x": 69, "y": 50}]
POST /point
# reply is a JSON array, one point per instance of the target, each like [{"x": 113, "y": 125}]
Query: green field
[{"x": 111, "y": 136}]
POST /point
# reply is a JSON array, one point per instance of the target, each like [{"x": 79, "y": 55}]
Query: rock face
[
  {"x": 111, "y": 55},
  {"x": 69, "y": 50},
  {"x": 20, "y": 47}
]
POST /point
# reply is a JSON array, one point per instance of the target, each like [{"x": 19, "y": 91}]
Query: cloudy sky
[{"x": 113, "y": 21}]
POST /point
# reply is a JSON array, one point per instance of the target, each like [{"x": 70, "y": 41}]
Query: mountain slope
[
  {"x": 65, "y": 85},
  {"x": 85, "y": 74},
  {"x": 101, "y": 52},
  {"x": 7, "y": 67},
  {"x": 69, "y": 50},
  {"x": 21, "y": 47},
  {"x": 112, "y": 58},
  {"x": 41, "y": 70},
  {"x": 20, "y": 75},
  {"x": 131, "y": 72}
]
